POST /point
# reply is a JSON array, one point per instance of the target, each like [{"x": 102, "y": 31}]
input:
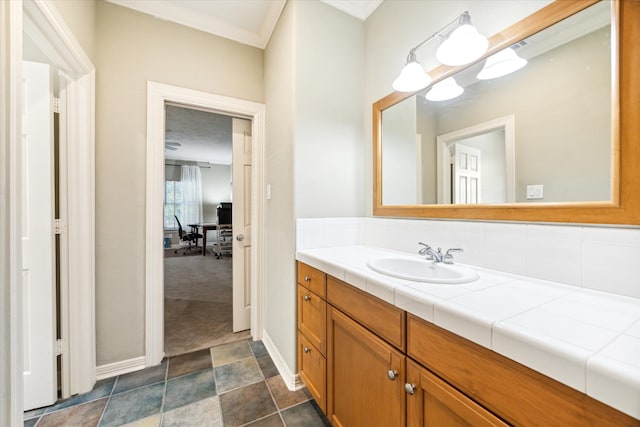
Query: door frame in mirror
[
  {"x": 624, "y": 206},
  {"x": 507, "y": 124}
]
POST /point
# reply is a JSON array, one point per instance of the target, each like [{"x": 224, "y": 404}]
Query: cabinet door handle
[
  {"x": 392, "y": 374},
  {"x": 410, "y": 388},
  {"x": 307, "y": 278},
  {"x": 306, "y": 298},
  {"x": 306, "y": 349}
]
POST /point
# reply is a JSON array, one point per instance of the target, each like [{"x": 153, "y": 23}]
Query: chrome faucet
[{"x": 437, "y": 256}]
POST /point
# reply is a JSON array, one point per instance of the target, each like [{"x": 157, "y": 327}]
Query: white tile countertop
[{"x": 586, "y": 339}]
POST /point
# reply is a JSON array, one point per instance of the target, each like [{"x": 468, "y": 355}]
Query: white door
[
  {"x": 466, "y": 174},
  {"x": 38, "y": 265},
  {"x": 241, "y": 224}
]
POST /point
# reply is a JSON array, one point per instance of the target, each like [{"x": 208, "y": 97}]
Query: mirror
[{"x": 532, "y": 145}]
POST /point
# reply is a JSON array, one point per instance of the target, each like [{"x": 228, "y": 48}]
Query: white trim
[
  {"x": 11, "y": 376},
  {"x": 46, "y": 27},
  {"x": 208, "y": 22},
  {"x": 508, "y": 124},
  {"x": 157, "y": 95},
  {"x": 120, "y": 368},
  {"x": 291, "y": 380}
]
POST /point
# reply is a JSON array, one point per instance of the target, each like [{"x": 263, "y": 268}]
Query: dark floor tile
[
  {"x": 305, "y": 414},
  {"x": 271, "y": 421},
  {"x": 237, "y": 374},
  {"x": 189, "y": 389},
  {"x": 141, "y": 378},
  {"x": 231, "y": 352},
  {"x": 283, "y": 396},
  {"x": 85, "y": 415},
  {"x": 31, "y": 422},
  {"x": 267, "y": 366},
  {"x": 133, "y": 405},
  {"x": 189, "y": 363},
  {"x": 102, "y": 388},
  {"x": 258, "y": 348},
  {"x": 246, "y": 404}
]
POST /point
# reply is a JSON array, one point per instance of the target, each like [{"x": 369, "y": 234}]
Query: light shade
[
  {"x": 412, "y": 78},
  {"x": 464, "y": 45},
  {"x": 444, "y": 90},
  {"x": 500, "y": 64}
]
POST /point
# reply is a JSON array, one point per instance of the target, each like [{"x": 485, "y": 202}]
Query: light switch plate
[{"x": 535, "y": 191}]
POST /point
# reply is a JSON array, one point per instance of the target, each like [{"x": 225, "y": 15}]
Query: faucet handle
[
  {"x": 423, "y": 251},
  {"x": 448, "y": 257}
]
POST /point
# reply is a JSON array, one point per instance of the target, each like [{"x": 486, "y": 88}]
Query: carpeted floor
[{"x": 197, "y": 304}]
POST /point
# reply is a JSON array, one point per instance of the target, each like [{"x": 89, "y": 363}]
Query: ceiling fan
[{"x": 172, "y": 145}]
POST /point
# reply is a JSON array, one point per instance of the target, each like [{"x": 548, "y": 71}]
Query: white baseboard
[
  {"x": 291, "y": 380},
  {"x": 118, "y": 368}
]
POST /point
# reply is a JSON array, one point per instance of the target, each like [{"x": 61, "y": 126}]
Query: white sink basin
[{"x": 421, "y": 270}]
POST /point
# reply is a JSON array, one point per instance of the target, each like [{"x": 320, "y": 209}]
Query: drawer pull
[
  {"x": 306, "y": 349},
  {"x": 307, "y": 278},
  {"x": 410, "y": 388},
  {"x": 392, "y": 374},
  {"x": 306, "y": 298}
]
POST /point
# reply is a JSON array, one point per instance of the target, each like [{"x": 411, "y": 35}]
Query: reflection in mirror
[{"x": 539, "y": 134}]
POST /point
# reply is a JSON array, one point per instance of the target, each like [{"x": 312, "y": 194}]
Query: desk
[{"x": 206, "y": 226}]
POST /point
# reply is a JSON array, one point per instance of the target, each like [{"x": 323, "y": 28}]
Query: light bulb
[
  {"x": 463, "y": 46},
  {"x": 412, "y": 78},
  {"x": 500, "y": 64},
  {"x": 444, "y": 90}
]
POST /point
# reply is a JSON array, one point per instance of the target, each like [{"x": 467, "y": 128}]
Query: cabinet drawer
[
  {"x": 312, "y": 318},
  {"x": 384, "y": 319},
  {"x": 312, "y": 279},
  {"x": 313, "y": 371}
]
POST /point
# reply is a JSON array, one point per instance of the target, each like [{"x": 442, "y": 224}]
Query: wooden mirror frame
[{"x": 624, "y": 207}]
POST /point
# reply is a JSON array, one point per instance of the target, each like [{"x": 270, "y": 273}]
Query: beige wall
[
  {"x": 279, "y": 321},
  {"x": 131, "y": 49},
  {"x": 314, "y": 154},
  {"x": 80, "y": 16}
]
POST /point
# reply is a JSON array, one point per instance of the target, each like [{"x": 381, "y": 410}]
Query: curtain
[{"x": 191, "y": 195}]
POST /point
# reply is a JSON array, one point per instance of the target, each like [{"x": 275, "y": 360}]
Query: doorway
[
  {"x": 158, "y": 95},
  {"x": 202, "y": 154},
  {"x": 476, "y": 164}
]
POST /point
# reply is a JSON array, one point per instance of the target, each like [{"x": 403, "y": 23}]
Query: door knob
[
  {"x": 392, "y": 374},
  {"x": 410, "y": 388},
  {"x": 306, "y": 297},
  {"x": 240, "y": 237},
  {"x": 306, "y": 349}
]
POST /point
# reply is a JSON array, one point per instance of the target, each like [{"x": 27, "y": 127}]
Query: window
[{"x": 172, "y": 204}]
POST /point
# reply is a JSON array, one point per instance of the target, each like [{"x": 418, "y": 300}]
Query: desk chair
[
  {"x": 191, "y": 238},
  {"x": 224, "y": 238}
]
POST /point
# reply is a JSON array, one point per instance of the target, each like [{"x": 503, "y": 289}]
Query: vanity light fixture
[
  {"x": 463, "y": 44},
  {"x": 500, "y": 64},
  {"x": 444, "y": 90}
]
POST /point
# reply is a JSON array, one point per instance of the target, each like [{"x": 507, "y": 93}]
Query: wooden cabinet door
[
  {"x": 365, "y": 376},
  {"x": 433, "y": 403}
]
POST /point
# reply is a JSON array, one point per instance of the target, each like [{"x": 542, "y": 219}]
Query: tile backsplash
[{"x": 601, "y": 258}]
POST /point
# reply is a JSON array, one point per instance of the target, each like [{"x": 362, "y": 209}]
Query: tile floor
[{"x": 233, "y": 384}]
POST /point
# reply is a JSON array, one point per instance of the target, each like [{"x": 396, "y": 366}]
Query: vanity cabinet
[
  {"x": 369, "y": 363},
  {"x": 312, "y": 322}
]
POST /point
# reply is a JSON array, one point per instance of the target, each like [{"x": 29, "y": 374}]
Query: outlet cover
[{"x": 535, "y": 192}]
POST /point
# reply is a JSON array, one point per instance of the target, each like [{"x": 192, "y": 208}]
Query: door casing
[{"x": 158, "y": 94}]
